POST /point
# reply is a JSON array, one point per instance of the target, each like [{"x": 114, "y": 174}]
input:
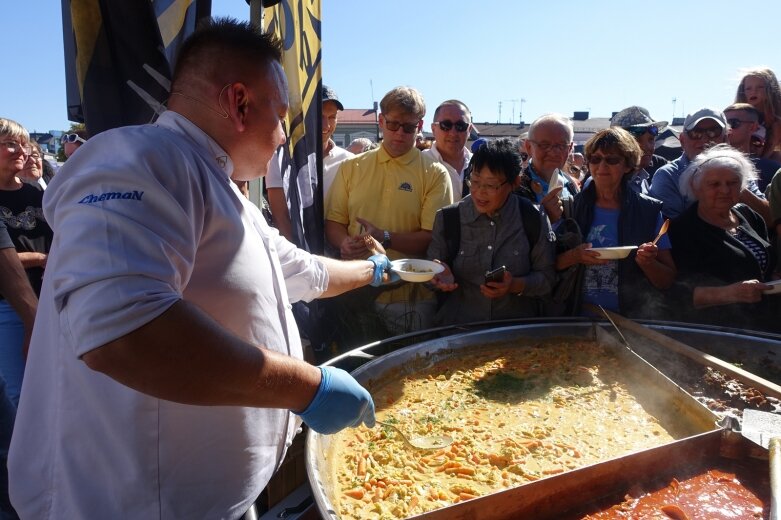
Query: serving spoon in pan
[{"x": 422, "y": 442}]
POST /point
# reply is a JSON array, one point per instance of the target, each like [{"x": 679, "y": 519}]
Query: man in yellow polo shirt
[{"x": 391, "y": 193}]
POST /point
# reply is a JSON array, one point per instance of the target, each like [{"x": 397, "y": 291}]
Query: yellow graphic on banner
[
  {"x": 87, "y": 22},
  {"x": 297, "y": 24}
]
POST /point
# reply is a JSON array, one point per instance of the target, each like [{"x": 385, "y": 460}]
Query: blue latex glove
[
  {"x": 340, "y": 402},
  {"x": 381, "y": 265}
]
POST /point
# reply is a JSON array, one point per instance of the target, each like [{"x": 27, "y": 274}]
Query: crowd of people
[
  {"x": 150, "y": 358},
  {"x": 616, "y": 193}
]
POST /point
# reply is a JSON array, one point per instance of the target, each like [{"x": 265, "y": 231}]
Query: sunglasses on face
[
  {"x": 612, "y": 160},
  {"x": 710, "y": 133},
  {"x": 72, "y": 138},
  {"x": 447, "y": 125},
  {"x": 393, "y": 126},
  {"x": 736, "y": 123},
  {"x": 637, "y": 131}
]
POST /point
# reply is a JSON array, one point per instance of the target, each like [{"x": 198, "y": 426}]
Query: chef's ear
[{"x": 237, "y": 100}]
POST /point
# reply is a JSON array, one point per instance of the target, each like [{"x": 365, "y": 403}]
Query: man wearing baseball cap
[
  {"x": 332, "y": 157},
  {"x": 702, "y": 129},
  {"x": 638, "y": 122}
]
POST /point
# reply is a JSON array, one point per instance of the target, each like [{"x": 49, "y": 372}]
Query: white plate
[
  {"x": 775, "y": 287},
  {"x": 415, "y": 270},
  {"x": 614, "y": 253}
]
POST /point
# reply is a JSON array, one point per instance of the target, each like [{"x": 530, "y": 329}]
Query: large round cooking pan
[{"x": 424, "y": 348}]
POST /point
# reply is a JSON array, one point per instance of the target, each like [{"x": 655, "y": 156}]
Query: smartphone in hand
[{"x": 497, "y": 275}]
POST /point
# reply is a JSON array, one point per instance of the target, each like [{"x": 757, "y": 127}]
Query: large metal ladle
[{"x": 421, "y": 442}]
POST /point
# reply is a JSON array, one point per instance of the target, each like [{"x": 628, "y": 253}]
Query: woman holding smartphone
[{"x": 497, "y": 248}]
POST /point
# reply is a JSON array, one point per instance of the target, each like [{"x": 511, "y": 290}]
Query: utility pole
[
  {"x": 674, "y": 100},
  {"x": 513, "y": 101},
  {"x": 520, "y": 112},
  {"x": 500, "y": 113}
]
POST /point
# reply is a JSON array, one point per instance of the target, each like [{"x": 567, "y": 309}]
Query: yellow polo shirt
[{"x": 400, "y": 194}]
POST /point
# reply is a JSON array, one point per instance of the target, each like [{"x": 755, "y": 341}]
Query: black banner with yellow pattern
[{"x": 297, "y": 24}]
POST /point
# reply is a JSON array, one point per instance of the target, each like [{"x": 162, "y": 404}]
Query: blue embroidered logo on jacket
[
  {"x": 112, "y": 195},
  {"x": 405, "y": 186}
]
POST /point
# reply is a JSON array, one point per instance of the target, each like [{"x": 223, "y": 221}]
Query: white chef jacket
[{"x": 143, "y": 217}]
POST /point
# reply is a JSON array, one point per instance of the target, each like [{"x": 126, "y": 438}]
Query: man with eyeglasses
[
  {"x": 391, "y": 193},
  {"x": 701, "y": 130},
  {"x": 549, "y": 144},
  {"x": 451, "y": 127},
  {"x": 72, "y": 141},
  {"x": 638, "y": 122},
  {"x": 743, "y": 122}
]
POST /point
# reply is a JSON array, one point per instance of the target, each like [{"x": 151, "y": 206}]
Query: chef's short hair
[{"x": 215, "y": 49}]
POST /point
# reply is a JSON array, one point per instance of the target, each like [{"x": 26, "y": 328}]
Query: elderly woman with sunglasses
[
  {"x": 20, "y": 210},
  {"x": 722, "y": 246},
  {"x": 495, "y": 229},
  {"x": 610, "y": 214}
]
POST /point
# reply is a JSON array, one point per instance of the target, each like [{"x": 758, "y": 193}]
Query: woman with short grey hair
[
  {"x": 719, "y": 156},
  {"x": 721, "y": 246}
]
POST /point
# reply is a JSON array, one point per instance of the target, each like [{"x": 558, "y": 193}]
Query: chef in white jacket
[{"x": 165, "y": 362}]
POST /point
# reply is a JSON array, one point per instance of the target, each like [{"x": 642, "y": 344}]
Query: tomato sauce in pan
[{"x": 728, "y": 492}]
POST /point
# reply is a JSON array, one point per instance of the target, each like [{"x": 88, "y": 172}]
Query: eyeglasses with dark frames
[
  {"x": 612, "y": 160},
  {"x": 710, "y": 133},
  {"x": 446, "y": 125},
  {"x": 14, "y": 147},
  {"x": 409, "y": 128}
]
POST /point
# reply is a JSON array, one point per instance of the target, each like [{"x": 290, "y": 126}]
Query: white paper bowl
[
  {"x": 414, "y": 270},
  {"x": 614, "y": 253},
  {"x": 775, "y": 287}
]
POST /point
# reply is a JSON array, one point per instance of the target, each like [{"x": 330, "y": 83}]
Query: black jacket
[
  {"x": 637, "y": 297},
  {"x": 707, "y": 255}
]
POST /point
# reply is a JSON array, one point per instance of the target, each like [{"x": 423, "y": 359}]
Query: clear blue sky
[{"x": 558, "y": 55}]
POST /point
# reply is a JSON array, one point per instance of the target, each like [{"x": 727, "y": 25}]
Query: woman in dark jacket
[
  {"x": 722, "y": 247},
  {"x": 610, "y": 214}
]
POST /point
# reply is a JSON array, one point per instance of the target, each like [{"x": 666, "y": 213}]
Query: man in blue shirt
[
  {"x": 549, "y": 144},
  {"x": 701, "y": 130}
]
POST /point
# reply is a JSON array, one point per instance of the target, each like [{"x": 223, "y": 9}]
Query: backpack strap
[
  {"x": 530, "y": 215},
  {"x": 452, "y": 223},
  {"x": 532, "y": 221}
]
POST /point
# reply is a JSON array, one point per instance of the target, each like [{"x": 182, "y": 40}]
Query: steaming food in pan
[{"x": 516, "y": 415}]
